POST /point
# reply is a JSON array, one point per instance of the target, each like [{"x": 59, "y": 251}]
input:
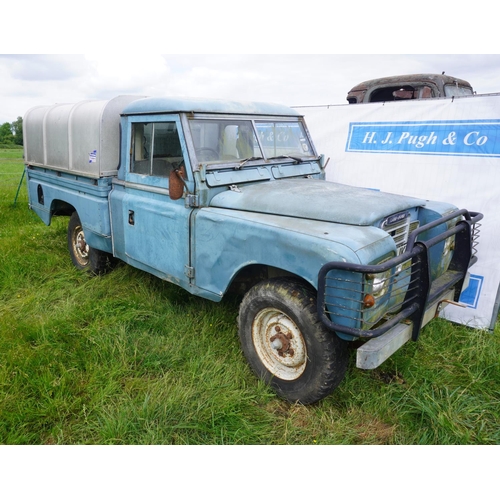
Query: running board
[{"x": 374, "y": 352}]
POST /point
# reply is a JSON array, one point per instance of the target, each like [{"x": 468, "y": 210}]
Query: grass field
[{"x": 128, "y": 359}]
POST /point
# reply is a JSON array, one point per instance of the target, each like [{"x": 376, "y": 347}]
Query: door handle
[{"x": 131, "y": 219}]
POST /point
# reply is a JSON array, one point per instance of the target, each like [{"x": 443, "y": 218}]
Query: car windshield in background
[
  {"x": 237, "y": 141},
  {"x": 455, "y": 90}
]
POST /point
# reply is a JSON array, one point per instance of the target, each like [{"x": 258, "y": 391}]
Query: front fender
[{"x": 226, "y": 241}]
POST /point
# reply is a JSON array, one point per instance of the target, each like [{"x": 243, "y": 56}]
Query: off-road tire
[
  {"x": 286, "y": 344},
  {"x": 82, "y": 255}
]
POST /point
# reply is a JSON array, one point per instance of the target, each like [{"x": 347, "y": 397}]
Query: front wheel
[
  {"x": 285, "y": 343},
  {"x": 82, "y": 255}
]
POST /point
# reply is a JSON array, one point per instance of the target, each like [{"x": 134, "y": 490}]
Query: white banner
[{"x": 436, "y": 149}]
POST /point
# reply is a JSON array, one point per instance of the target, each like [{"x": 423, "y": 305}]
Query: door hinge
[
  {"x": 189, "y": 272},
  {"x": 191, "y": 200}
]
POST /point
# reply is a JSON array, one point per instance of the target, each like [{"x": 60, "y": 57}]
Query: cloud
[
  {"x": 291, "y": 79},
  {"x": 44, "y": 67},
  {"x": 131, "y": 73}
]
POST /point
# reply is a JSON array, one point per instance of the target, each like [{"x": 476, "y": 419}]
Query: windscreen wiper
[
  {"x": 284, "y": 157},
  {"x": 246, "y": 160}
]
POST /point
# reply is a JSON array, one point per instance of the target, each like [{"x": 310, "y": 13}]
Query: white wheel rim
[
  {"x": 80, "y": 246},
  {"x": 279, "y": 344}
]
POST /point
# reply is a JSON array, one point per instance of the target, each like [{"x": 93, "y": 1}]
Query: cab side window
[{"x": 156, "y": 148}]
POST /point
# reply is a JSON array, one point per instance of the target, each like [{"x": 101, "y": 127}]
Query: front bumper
[{"x": 411, "y": 290}]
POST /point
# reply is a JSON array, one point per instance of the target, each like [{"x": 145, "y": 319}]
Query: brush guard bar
[{"x": 416, "y": 289}]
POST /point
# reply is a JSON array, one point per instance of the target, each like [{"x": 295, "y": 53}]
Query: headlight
[
  {"x": 377, "y": 285},
  {"x": 448, "y": 249},
  {"x": 449, "y": 243},
  {"x": 449, "y": 246},
  {"x": 380, "y": 283}
]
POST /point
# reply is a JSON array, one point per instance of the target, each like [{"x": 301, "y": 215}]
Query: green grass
[{"x": 128, "y": 359}]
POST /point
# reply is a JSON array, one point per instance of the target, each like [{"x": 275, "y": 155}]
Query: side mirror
[{"x": 176, "y": 183}]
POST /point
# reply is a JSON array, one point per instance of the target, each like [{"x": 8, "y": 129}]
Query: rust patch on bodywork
[{"x": 403, "y": 87}]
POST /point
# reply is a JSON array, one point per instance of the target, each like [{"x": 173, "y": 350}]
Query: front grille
[
  {"x": 343, "y": 286},
  {"x": 399, "y": 227}
]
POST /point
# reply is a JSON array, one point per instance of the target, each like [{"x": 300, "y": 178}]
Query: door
[{"x": 150, "y": 230}]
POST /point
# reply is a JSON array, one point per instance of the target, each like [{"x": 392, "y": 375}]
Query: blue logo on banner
[
  {"x": 470, "y": 295},
  {"x": 454, "y": 138}
]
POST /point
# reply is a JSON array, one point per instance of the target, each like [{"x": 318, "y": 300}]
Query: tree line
[{"x": 12, "y": 133}]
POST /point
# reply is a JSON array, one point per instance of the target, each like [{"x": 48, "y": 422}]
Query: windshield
[
  {"x": 229, "y": 141},
  {"x": 283, "y": 139},
  {"x": 455, "y": 90}
]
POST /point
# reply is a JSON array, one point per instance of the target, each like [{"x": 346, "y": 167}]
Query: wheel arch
[
  {"x": 60, "y": 207},
  {"x": 250, "y": 275}
]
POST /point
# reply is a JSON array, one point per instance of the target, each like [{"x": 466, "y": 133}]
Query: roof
[{"x": 151, "y": 105}]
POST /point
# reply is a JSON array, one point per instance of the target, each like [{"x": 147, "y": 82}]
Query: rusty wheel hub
[{"x": 279, "y": 344}]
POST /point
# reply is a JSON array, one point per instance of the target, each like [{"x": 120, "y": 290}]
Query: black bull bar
[{"x": 417, "y": 290}]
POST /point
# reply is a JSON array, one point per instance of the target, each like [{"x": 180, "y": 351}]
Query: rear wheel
[
  {"x": 82, "y": 255},
  {"x": 285, "y": 343}
]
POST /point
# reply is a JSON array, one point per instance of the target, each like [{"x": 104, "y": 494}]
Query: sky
[
  {"x": 292, "y": 53},
  {"x": 290, "y": 79}
]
